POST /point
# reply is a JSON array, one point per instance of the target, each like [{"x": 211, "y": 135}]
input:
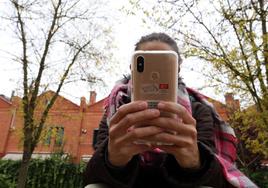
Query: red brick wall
[
  {"x": 6, "y": 114},
  {"x": 65, "y": 114},
  {"x": 92, "y": 117},
  {"x": 69, "y": 120},
  {"x": 78, "y": 122}
]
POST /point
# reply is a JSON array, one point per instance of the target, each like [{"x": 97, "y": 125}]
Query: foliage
[
  {"x": 252, "y": 145},
  {"x": 231, "y": 37},
  {"x": 232, "y": 40},
  {"x": 251, "y": 128},
  {"x": 6, "y": 182},
  {"x": 58, "y": 172},
  {"x": 53, "y": 172},
  {"x": 260, "y": 176}
]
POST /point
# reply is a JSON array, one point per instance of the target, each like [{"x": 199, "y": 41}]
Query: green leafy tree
[{"x": 231, "y": 37}]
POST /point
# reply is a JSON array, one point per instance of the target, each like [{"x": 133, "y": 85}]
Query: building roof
[
  {"x": 5, "y": 101},
  {"x": 47, "y": 95}
]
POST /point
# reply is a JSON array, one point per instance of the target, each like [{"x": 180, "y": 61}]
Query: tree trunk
[{"x": 23, "y": 171}]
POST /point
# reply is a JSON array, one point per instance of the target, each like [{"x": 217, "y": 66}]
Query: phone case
[
  {"x": 159, "y": 79},
  {"x": 156, "y": 81}
]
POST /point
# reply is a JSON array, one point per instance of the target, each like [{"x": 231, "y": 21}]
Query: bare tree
[{"x": 53, "y": 35}]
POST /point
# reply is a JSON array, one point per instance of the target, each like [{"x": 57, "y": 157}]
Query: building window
[
  {"x": 59, "y": 136},
  {"x": 47, "y": 102},
  {"x": 57, "y": 133},
  {"x": 48, "y": 136}
]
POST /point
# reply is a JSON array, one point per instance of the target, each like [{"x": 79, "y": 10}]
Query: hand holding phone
[{"x": 154, "y": 76}]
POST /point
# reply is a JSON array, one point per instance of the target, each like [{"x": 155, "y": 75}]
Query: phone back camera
[{"x": 140, "y": 64}]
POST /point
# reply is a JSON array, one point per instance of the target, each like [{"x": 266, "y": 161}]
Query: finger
[
  {"x": 172, "y": 125},
  {"x": 125, "y": 151},
  {"x": 134, "y": 149},
  {"x": 139, "y": 133},
  {"x": 178, "y": 141},
  {"x": 183, "y": 152},
  {"x": 132, "y": 119},
  {"x": 177, "y": 109},
  {"x": 126, "y": 109},
  {"x": 171, "y": 149}
]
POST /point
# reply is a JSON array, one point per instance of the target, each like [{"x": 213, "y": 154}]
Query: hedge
[
  {"x": 260, "y": 177},
  {"x": 43, "y": 173},
  {"x": 59, "y": 173}
]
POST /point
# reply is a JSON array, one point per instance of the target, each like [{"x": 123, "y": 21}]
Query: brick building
[{"x": 69, "y": 126}]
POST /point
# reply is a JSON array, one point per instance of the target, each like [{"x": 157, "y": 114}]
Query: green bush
[
  {"x": 260, "y": 178},
  {"x": 59, "y": 173},
  {"x": 47, "y": 173},
  {"x": 5, "y": 182}
]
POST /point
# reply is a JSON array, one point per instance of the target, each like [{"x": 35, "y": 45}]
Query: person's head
[{"x": 158, "y": 41}]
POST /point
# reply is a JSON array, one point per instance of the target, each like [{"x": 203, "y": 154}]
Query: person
[{"x": 195, "y": 157}]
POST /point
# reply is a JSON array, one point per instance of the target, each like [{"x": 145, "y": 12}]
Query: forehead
[{"x": 154, "y": 45}]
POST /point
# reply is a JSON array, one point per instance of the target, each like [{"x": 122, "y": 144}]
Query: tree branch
[
  {"x": 263, "y": 17},
  {"x": 232, "y": 22},
  {"x": 38, "y": 131},
  {"x": 50, "y": 35}
]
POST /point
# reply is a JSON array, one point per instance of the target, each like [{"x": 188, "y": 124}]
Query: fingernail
[
  {"x": 142, "y": 104},
  {"x": 160, "y": 105},
  {"x": 156, "y": 112}
]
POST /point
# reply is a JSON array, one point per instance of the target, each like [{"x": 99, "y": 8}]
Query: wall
[{"x": 79, "y": 123}]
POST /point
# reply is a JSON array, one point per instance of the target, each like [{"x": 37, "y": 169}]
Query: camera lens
[{"x": 140, "y": 64}]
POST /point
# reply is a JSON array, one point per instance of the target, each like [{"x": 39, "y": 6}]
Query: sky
[{"x": 128, "y": 30}]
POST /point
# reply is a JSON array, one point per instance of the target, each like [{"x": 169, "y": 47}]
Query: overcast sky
[{"x": 128, "y": 30}]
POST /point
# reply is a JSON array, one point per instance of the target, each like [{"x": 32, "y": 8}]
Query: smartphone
[{"x": 154, "y": 76}]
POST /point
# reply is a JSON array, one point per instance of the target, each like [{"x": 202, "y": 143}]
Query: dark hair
[{"x": 161, "y": 37}]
